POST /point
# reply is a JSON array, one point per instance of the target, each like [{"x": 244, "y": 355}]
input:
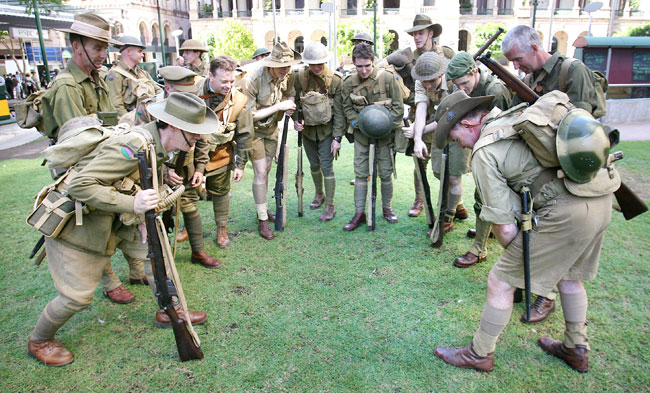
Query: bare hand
[
  {"x": 145, "y": 200},
  {"x": 288, "y": 106},
  {"x": 299, "y": 125},
  {"x": 142, "y": 228},
  {"x": 408, "y": 131},
  {"x": 420, "y": 149},
  {"x": 336, "y": 146},
  {"x": 237, "y": 175},
  {"x": 197, "y": 179},
  {"x": 173, "y": 179}
]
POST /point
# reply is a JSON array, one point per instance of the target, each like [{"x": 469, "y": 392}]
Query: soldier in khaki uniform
[
  {"x": 80, "y": 91},
  {"x": 270, "y": 95},
  {"x": 369, "y": 85},
  {"x": 522, "y": 46},
  {"x": 79, "y": 254},
  {"x": 260, "y": 53},
  {"x": 227, "y": 148},
  {"x": 317, "y": 88},
  {"x": 127, "y": 84},
  {"x": 565, "y": 241},
  {"x": 431, "y": 87},
  {"x": 475, "y": 82},
  {"x": 192, "y": 51}
]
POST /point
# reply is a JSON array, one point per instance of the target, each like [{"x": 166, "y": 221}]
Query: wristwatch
[{"x": 337, "y": 139}]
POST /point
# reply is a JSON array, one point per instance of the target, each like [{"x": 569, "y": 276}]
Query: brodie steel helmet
[{"x": 375, "y": 121}]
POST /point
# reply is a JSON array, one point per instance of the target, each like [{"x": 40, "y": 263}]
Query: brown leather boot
[
  {"x": 50, "y": 353},
  {"x": 576, "y": 357},
  {"x": 271, "y": 216},
  {"x": 447, "y": 226},
  {"x": 540, "y": 310},
  {"x": 358, "y": 219},
  {"x": 139, "y": 281},
  {"x": 353, "y": 181},
  {"x": 318, "y": 201},
  {"x": 222, "y": 237},
  {"x": 328, "y": 213},
  {"x": 461, "y": 212},
  {"x": 162, "y": 319},
  {"x": 465, "y": 357},
  {"x": 389, "y": 215},
  {"x": 416, "y": 209},
  {"x": 120, "y": 295},
  {"x": 468, "y": 260},
  {"x": 204, "y": 259},
  {"x": 265, "y": 229},
  {"x": 182, "y": 235}
]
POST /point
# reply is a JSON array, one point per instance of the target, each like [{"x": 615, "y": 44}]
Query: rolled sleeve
[{"x": 493, "y": 187}]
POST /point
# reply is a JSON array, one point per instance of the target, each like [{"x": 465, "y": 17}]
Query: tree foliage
[
  {"x": 234, "y": 40},
  {"x": 45, "y": 6},
  {"x": 638, "y": 31},
  {"x": 484, "y": 33},
  {"x": 345, "y": 31}
]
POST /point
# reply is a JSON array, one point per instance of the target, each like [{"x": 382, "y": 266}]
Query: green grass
[{"x": 319, "y": 309}]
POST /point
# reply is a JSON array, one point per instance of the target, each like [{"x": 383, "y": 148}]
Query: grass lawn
[{"x": 320, "y": 309}]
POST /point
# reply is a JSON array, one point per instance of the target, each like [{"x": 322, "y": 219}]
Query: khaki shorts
[
  {"x": 362, "y": 161},
  {"x": 459, "y": 159},
  {"x": 564, "y": 245},
  {"x": 264, "y": 145}
]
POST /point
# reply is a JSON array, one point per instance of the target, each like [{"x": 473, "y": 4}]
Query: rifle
[
  {"x": 631, "y": 205},
  {"x": 373, "y": 184},
  {"x": 488, "y": 43},
  {"x": 186, "y": 342},
  {"x": 526, "y": 226},
  {"x": 38, "y": 246},
  {"x": 168, "y": 215},
  {"x": 421, "y": 175},
  {"x": 280, "y": 177},
  {"x": 438, "y": 231},
  {"x": 299, "y": 173}
]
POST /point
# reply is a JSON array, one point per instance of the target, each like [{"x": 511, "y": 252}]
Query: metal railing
[
  {"x": 348, "y": 11},
  {"x": 484, "y": 11},
  {"x": 563, "y": 11},
  {"x": 270, "y": 12},
  {"x": 505, "y": 11},
  {"x": 206, "y": 14},
  {"x": 244, "y": 14},
  {"x": 295, "y": 11},
  {"x": 466, "y": 11},
  {"x": 391, "y": 11},
  {"x": 316, "y": 11}
]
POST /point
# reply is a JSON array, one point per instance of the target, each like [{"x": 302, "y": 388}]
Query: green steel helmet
[
  {"x": 362, "y": 37},
  {"x": 129, "y": 40},
  {"x": 260, "y": 52},
  {"x": 375, "y": 121},
  {"x": 315, "y": 53},
  {"x": 582, "y": 145}
]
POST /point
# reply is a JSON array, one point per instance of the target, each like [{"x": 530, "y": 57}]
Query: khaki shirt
[
  {"x": 263, "y": 91},
  {"x": 320, "y": 132},
  {"x": 242, "y": 125},
  {"x": 502, "y": 168},
  {"x": 68, "y": 98},
  {"x": 96, "y": 184},
  {"x": 579, "y": 85},
  {"x": 490, "y": 85},
  {"x": 202, "y": 69},
  {"x": 369, "y": 88},
  {"x": 125, "y": 92},
  {"x": 432, "y": 98}
]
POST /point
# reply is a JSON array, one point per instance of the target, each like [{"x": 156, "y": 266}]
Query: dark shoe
[
  {"x": 468, "y": 260},
  {"x": 204, "y": 259},
  {"x": 271, "y": 216},
  {"x": 328, "y": 213},
  {"x": 389, "y": 215},
  {"x": 540, "y": 310},
  {"x": 182, "y": 235},
  {"x": 416, "y": 209},
  {"x": 139, "y": 281},
  {"x": 352, "y": 182},
  {"x": 50, "y": 353},
  {"x": 465, "y": 357},
  {"x": 576, "y": 357},
  {"x": 461, "y": 213},
  {"x": 222, "y": 237},
  {"x": 518, "y": 297},
  {"x": 318, "y": 201},
  {"x": 265, "y": 229},
  {"x": 358, "y": 219},
  {"x": 447, "y": 226},
  {"x": 471, "y": 233},
  {"x": 163, "y": 321},
  {"x": 120, "y": 295}
]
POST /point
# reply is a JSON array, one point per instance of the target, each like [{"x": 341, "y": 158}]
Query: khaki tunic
[
  {"x": 567, "y": 237},
  {"x": 67, "y": 98},
  {"x": 579, "y": 85},
  {"x": 125, "y": 93},
  {"x": 202, "y": 69}
]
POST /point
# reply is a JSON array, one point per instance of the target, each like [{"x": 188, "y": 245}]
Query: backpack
[
  {"x": 317, "y": 105},
  {"x": 600, "y": 85},
  {"x": 28, "y": 113}
]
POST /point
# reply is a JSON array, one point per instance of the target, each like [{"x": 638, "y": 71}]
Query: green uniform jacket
[
  {"x": 263, "y": 91},
  {"x": 371, "y": 92},
  {"x": 202, "y": 69},
  {"x": 96, "y": 185},
  {"x": 124, "y": 92},
  {"x": 579, "y": 85},
  {"x": 490, "y": 85},
  {"x": 242, "y": 126},
  {"x": 321, "y": 132},
  {"x": 68, "y": 98}
]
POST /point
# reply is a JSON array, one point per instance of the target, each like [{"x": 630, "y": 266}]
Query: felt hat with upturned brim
[
  {"x": 91, "y": 26},
  {"x": 181, "y": 78},
  {"x": 281, "y": 56},
  {"x": 187, "y": 112},
  {"x": 452, "y": 109},
  {"x": 422, "y": 22}
]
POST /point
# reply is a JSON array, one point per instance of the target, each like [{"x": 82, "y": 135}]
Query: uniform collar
[
  {"x": 78, "y": 74},
  {"x": 126, "y": 67},
  {"x": 550, "y": 63},
  {"x": 161, "y": 153}
]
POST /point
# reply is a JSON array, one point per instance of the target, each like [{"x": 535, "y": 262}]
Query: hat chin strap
[{"x": 184, "y": 137}]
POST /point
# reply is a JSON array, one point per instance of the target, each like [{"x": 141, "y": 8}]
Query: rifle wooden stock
[
  {"x": 631, "y": 205},
  {"x": 421, "y": 175},
  {"x": 280, "y": 180},
  {"x": 438, "y": 231},
  {"x": 300, "y": 190},
  {"x": 187, "y": 348},
  {"x": 513, "y": 82},
  {"x": 373, "y": 184},
  {"x": 526, "y": 220},
  {"x": 488, "y": 43}
]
